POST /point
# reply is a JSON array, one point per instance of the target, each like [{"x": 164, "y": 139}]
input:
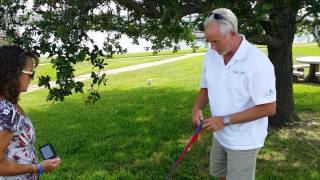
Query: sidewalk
[{"x": 122, "y": 69}]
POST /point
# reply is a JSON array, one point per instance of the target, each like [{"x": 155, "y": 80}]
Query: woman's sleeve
[{"x": 8, "y": 118}]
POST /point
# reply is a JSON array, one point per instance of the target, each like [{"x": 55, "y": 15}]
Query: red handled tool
[{"x": 193, "y": 139}]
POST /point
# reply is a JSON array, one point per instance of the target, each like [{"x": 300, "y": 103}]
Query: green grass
[
  {"x": 119, "y": 60},
  {"x": 86, "y": 67},
  {"x": 142, "y": 54},
  {"x": 307, "y": 97},
  {"x": 299, "y": 50},
  {"x": 292, "y": 152},
  {"x": 137, "y": 131},
  {"x": 45, "y": 68}
]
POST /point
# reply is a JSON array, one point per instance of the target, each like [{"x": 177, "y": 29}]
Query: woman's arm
[{"x": 7, "y": 167}]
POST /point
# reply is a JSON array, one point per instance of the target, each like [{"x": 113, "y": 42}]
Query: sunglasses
[
  {"x": 30, "y": 73},
  {"x": 217, "y": 16}
]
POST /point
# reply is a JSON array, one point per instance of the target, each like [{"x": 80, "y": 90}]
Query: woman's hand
[{"x": 50, "y": 164}]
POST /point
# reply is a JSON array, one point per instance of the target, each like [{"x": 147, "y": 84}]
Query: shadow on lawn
[
  {"x": 138, "y": 134},
  {"x": 290, "y": 155}
]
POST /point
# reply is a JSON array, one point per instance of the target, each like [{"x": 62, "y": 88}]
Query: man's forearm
[
  {"x": 253, "y": 113},
  {"x": 201, "y": 100}
]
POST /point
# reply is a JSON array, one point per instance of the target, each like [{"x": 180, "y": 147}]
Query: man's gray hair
[{"x": 227, "y": 23}]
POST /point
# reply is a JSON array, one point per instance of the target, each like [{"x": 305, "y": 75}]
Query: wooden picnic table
[{"x": 314, "y": 62}]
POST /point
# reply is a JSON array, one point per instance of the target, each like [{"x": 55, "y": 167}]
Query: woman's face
[{"x": 26, "y": 76}]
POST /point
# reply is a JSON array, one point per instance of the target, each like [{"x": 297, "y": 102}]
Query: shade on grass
[{"x": 137, "y": 131}]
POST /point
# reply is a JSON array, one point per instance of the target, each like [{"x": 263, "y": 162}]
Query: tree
[{"x": 62, "y": 26}]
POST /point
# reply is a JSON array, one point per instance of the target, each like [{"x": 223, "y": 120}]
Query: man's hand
[
  {"x": 197, "y": 116},
  {"x": 214, "y": 123}
]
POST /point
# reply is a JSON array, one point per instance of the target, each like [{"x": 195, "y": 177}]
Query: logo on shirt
[
  {"x": 238, "y": 72},
  {"x": 269, "y": 93}
]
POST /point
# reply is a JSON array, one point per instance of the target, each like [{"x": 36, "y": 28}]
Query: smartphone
[{"x": 47, "y": 152}]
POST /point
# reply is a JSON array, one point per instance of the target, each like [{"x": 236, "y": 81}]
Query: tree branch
[
  {"x": 195, "y": 6},
  {"x": 138, "y": 8},
  {"x": 302, "y": 17},
  {"x": 189, "y": 8}
]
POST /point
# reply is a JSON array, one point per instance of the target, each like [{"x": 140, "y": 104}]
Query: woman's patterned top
[{"x": 21, "y": 146}]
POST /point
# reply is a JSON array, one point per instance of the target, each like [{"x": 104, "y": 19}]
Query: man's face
[{"x": 218, "y": 41}]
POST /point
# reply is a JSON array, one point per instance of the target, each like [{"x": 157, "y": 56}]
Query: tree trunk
[
  {"x": 283, "y": 29},
  {"x": 281, "y": 58}
]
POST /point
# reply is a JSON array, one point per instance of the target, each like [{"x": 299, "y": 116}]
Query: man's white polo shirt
[{"x": 247, "y": 80}]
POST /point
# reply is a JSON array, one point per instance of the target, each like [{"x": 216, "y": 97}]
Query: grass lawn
[
  {"x": 300, "y": 50},
  {"x": 137, "y": 131},
  {"x": 45, "y": 68},
  {"x": 86, "y": 67},
  {"x": 44, "y": 60}
]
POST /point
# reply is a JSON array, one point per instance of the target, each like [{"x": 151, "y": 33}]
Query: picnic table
[{"x": 314, "y": 62}]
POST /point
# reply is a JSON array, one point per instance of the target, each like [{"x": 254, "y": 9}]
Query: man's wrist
[{"x": 226, "y": 120}]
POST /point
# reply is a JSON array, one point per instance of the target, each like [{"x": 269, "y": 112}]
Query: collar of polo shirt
[{"x": 242, "y": 49}]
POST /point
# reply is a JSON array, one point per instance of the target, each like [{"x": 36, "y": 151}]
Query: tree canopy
[{"x": 60, "y": 29}]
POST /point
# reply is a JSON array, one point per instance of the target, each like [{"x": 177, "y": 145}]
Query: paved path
[
  {"x": 123, "y": 69},
  {"x": 134, "y": 57}
]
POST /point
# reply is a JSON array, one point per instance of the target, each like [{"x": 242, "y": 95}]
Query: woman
[{"x": 18, "y": 159}]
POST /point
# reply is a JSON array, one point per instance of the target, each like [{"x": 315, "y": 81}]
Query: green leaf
[{"x": 267, "y": 6}]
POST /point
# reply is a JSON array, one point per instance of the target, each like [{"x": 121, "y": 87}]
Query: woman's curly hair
[{"x": 12, "y": 61}]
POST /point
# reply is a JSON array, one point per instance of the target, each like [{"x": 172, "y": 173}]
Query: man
[{"x": 238, "y": 81}]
